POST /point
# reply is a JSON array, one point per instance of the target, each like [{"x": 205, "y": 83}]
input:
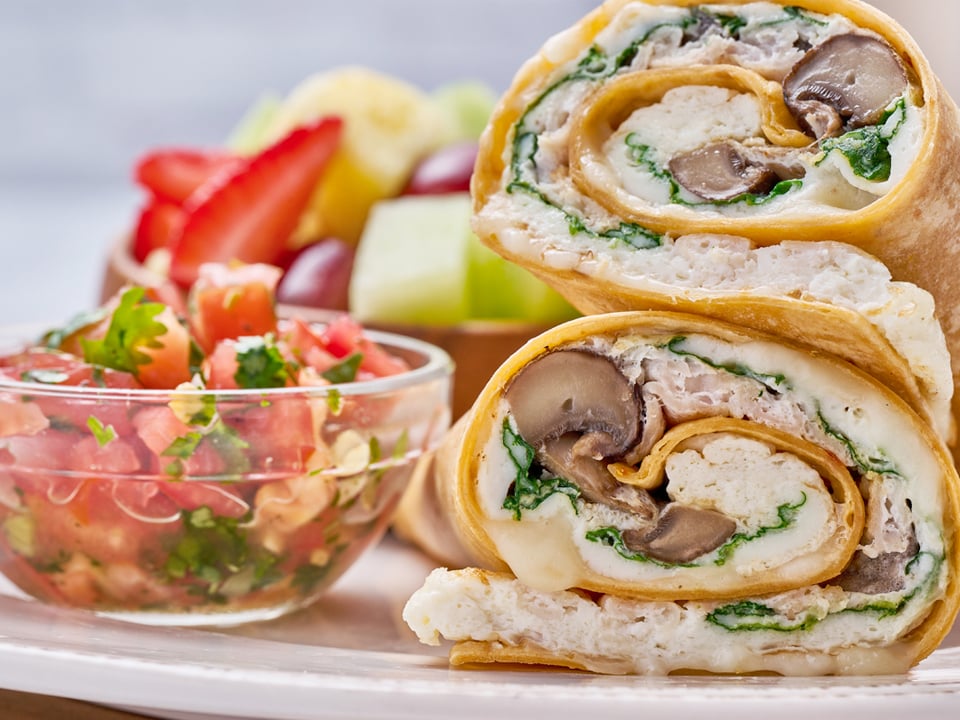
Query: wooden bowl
[{"x": 477, "y": 347}]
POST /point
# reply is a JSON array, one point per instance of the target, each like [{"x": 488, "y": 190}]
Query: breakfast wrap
[
  {"x": 651, "y": 492},
  {"x": 660, "y": 154}
]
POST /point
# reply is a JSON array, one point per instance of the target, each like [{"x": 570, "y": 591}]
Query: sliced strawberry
[
  {"x": 174, "y": 175},
  {"x": 252, "y": 213},
  {"x": 158, "y": 224}
]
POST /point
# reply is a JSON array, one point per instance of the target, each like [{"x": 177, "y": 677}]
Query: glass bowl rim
[{"x": 438, "y": 365}]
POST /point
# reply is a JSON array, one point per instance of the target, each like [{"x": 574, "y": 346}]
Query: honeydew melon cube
[
  {"x": 502, "y": 290},
  {"x": 468, "y": 104},
  {"x": 412, "y": 261}
]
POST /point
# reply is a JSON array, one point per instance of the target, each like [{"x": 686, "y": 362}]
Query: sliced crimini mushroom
[
  {"x": 561, "y": 457},
  {"x": 844, "y": 83},
  {"x": 682, "y": 534},
  {"x": 576, "y": 391},
  {"x": 720, "y": 171},
  {"x": 881, "y": 574}
]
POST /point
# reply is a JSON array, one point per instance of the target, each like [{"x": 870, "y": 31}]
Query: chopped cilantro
[
  {"x": 132, "y": 328},
  {"x": 307, "y": 576},
  {"x": 103, "y": 433},
  {"x": 260, "y": 364},
  {"x": 213, "y": 550},
  {"x": 344, "y": 371},
  {"x": 223, "y": 438},
  {"x": 205, "y": 412},
  {"x": 184, "y": 446},
  {"x": 334, "y": 401}
]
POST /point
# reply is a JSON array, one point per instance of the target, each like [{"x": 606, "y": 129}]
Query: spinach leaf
[
  {"x": 774, "y": 382},
  {"x": 786, "y": 513},
  {"x": 867, "y": 149},
  {"x": 751, "y": 616},
  {"x": 528, "y": 492}
]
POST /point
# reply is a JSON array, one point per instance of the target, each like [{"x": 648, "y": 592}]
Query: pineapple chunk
[{"x": 389, "y": 125}]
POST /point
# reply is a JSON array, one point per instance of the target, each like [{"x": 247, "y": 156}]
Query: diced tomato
[
  {"x": 143, "y": 499},
  {"x": 233, "y": 302},
  {"x": 170, "y": 294},
  {"x": 173, "y": 175},
  {"x": 169, "y": 364},
  {"x": 115, "y": 457},
  {"x": 190, "y": 495},
  {"x": 158, "y": 223},
  {"x": 20, "y": 417},
  {"x": 220, "y": 366},
  {"x": 251, "y": 214},
  {"x": 34, "y": 454},
  {"x": 158, "y": 427},
  {"x": 62, "y": 369},
  {"x": 279, "y": 434},
  {"x": 344, "y": 336}
]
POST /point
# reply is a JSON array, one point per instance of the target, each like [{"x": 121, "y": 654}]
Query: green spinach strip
[
  {"x": 528, "y": 492},
  {"x": 867, "y": 149}
]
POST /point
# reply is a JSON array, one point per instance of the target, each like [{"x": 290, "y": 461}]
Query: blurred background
[{"x": 86, "y": 87}]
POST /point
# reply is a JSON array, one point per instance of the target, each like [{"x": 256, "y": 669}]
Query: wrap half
[
  {"x": 660, "y": 154},
  {"x": 652, "y": 492}
]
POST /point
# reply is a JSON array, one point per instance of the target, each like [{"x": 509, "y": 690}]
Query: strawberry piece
[
  {"x": 159, "y": 222},
  {"x": 174, "y": 175},
  {"x": 251, "y": 214}
]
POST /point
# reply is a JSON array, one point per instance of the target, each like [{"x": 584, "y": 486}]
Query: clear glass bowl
[{"x": 206, "y": 507}]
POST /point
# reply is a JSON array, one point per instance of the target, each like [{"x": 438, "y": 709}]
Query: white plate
[{"x": 351, "y": 656}]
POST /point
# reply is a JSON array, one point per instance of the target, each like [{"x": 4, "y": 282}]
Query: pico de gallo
[{"x": 194, "y": 454}]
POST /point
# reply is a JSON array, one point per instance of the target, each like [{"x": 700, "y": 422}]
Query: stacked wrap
[
  {"x": 743, "y": 465},
  {"x": 575, "y": 179},
  {"x": 654, "y": 492}
]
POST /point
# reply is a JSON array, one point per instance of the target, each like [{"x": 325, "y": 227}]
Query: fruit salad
[
  {"x": 357, "y": 185},
  {"x": 203, "y": 462}
]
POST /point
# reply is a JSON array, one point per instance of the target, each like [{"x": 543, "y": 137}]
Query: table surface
[{"x": 105, "y": 83}]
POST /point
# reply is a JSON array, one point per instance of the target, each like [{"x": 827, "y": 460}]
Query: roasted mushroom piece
[
  {"x": 720, "y": 171},
  {"x": 576, "y": 391},
  {"x": 596, "y": 484},
  {"x": 682, "y": 534},
  {"x": 844, "y": 83}
]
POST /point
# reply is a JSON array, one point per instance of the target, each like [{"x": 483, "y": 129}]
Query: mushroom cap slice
[
  {"x": 560, "y": 456},
  {"x": 576, "y": 391},
  {"x": 844, "y": 83},
  {"x": 720, "y": 172},
  {"x": 682, "y": 534}
]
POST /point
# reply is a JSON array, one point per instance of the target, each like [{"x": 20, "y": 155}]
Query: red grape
[
  {"x": 319, "y": 276},
  {"x": 446, "y": 171}
]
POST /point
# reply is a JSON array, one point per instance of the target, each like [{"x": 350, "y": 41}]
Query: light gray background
[{"x": 87, "y": 85}]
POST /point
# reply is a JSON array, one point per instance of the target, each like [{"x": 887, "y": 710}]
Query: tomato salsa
[{"x": 197, "y": 457}]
